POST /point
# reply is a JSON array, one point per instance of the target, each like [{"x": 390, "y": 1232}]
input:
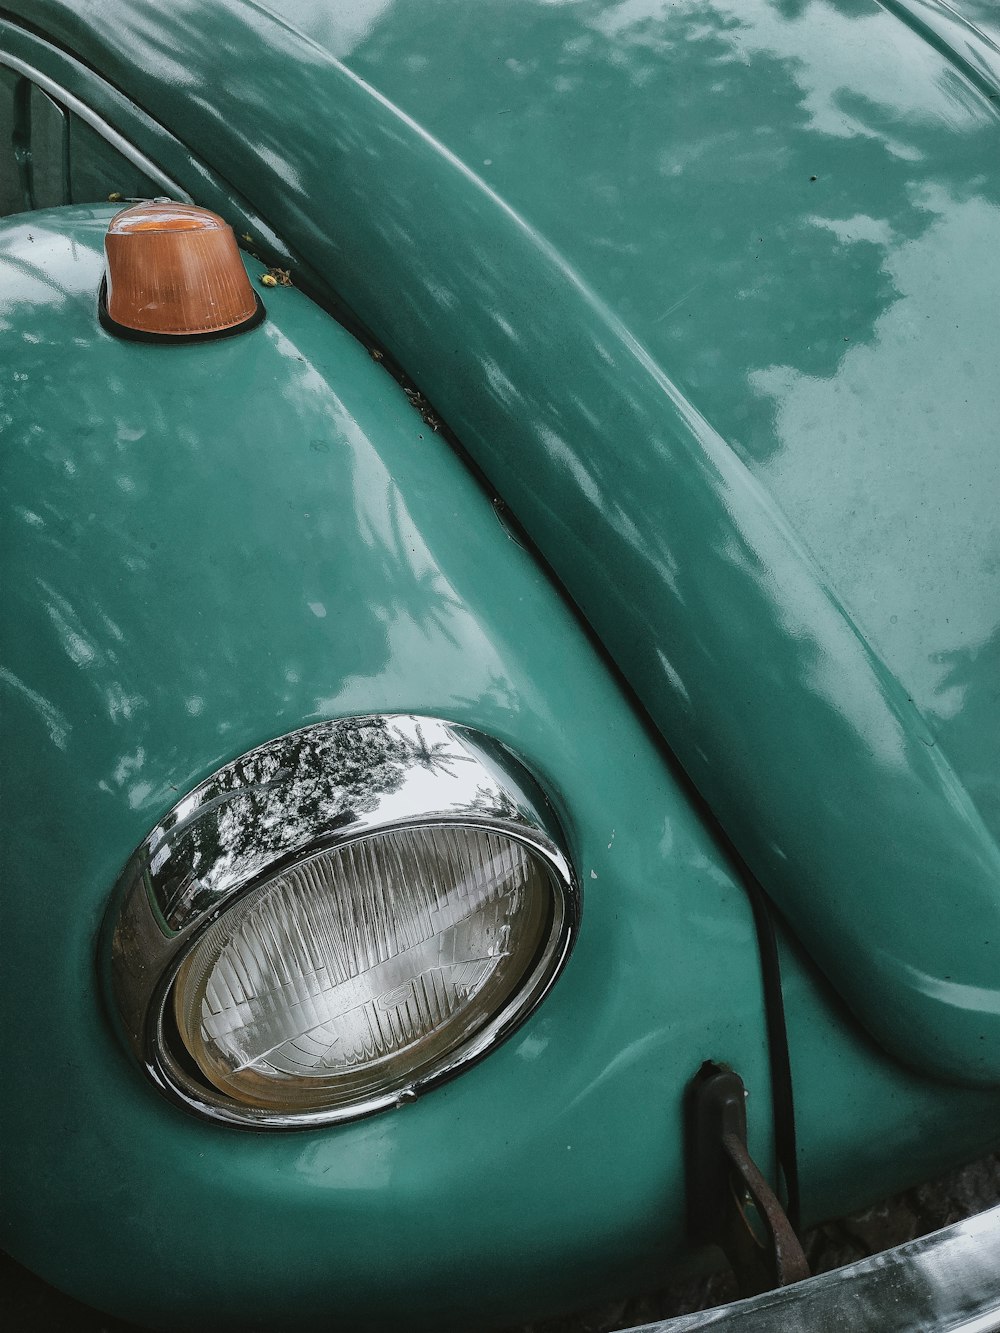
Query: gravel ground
[
  {"x": 27, "y": 1305},
  {"x": 961, "y": 1193}
]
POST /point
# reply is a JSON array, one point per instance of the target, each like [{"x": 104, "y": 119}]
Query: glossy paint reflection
[
  {"x": 538, "y": 300},
  {"x": 156, "y": 486},
  {"x": 540, "y": 330},
  {"x": 154, "y": 629},
  {"x": 918, "y": 562},
  {"x": 788, "y": 278}
]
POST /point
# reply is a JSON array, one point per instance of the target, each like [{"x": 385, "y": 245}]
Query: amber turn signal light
[{"x": 173, "y": 273}]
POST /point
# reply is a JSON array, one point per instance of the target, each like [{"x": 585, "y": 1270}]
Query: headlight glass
[
  {"x": 338, "y": 920},
  {"x": 360, "y": 967}
]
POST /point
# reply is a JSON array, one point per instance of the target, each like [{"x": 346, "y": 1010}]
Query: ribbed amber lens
[
  {"x": 358, "y": 971},
  {"x": 175, "y": 270}
]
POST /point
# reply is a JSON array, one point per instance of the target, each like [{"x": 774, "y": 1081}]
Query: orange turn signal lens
[{"x": 174, "y": 271}]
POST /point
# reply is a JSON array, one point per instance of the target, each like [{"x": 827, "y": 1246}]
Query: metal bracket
[{"x": 730, "y": 1204}]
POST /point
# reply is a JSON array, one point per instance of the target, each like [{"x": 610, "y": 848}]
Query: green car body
[{"x": 709, "y": 294}]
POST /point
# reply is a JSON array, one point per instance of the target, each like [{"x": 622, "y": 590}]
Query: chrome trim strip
[
  {"x": 947, "y": 1282},
  {"x": 117, "y": 141},
  {"x": 304, "y": 792}
]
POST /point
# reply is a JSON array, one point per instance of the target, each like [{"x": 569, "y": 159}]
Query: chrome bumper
[{"x": 943, "y": 1283}]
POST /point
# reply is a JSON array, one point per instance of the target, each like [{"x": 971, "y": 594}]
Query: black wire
[{"x": 782, "y": 1099}]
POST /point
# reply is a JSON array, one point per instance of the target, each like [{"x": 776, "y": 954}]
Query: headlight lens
[
  {"x": 338, "y": 920},
  {"x": 361, "y": 967}
]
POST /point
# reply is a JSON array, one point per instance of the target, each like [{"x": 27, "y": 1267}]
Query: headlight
[{"x": 338, "y": 920}]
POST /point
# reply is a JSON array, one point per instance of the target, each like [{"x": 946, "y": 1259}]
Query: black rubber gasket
[{"x": 142, "y": 336}]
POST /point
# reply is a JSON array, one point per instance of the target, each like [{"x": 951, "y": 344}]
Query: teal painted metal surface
[
  {"x": 207, "y": 546},
  {"x": 49, "y": 156},
  {"x": 772, "y": 303},
  {"x": 126, "y": 130},
  {"x": 544, "y": 211},
  {"x": 756, "y": 310}
]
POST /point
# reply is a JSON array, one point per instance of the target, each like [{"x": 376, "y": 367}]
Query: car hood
[
  {"x": 709, "y": 292},
  {"x": 795, "y": 209}
]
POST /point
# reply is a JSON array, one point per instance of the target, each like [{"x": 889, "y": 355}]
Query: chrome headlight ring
[{"x": 358, "y": 821}]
